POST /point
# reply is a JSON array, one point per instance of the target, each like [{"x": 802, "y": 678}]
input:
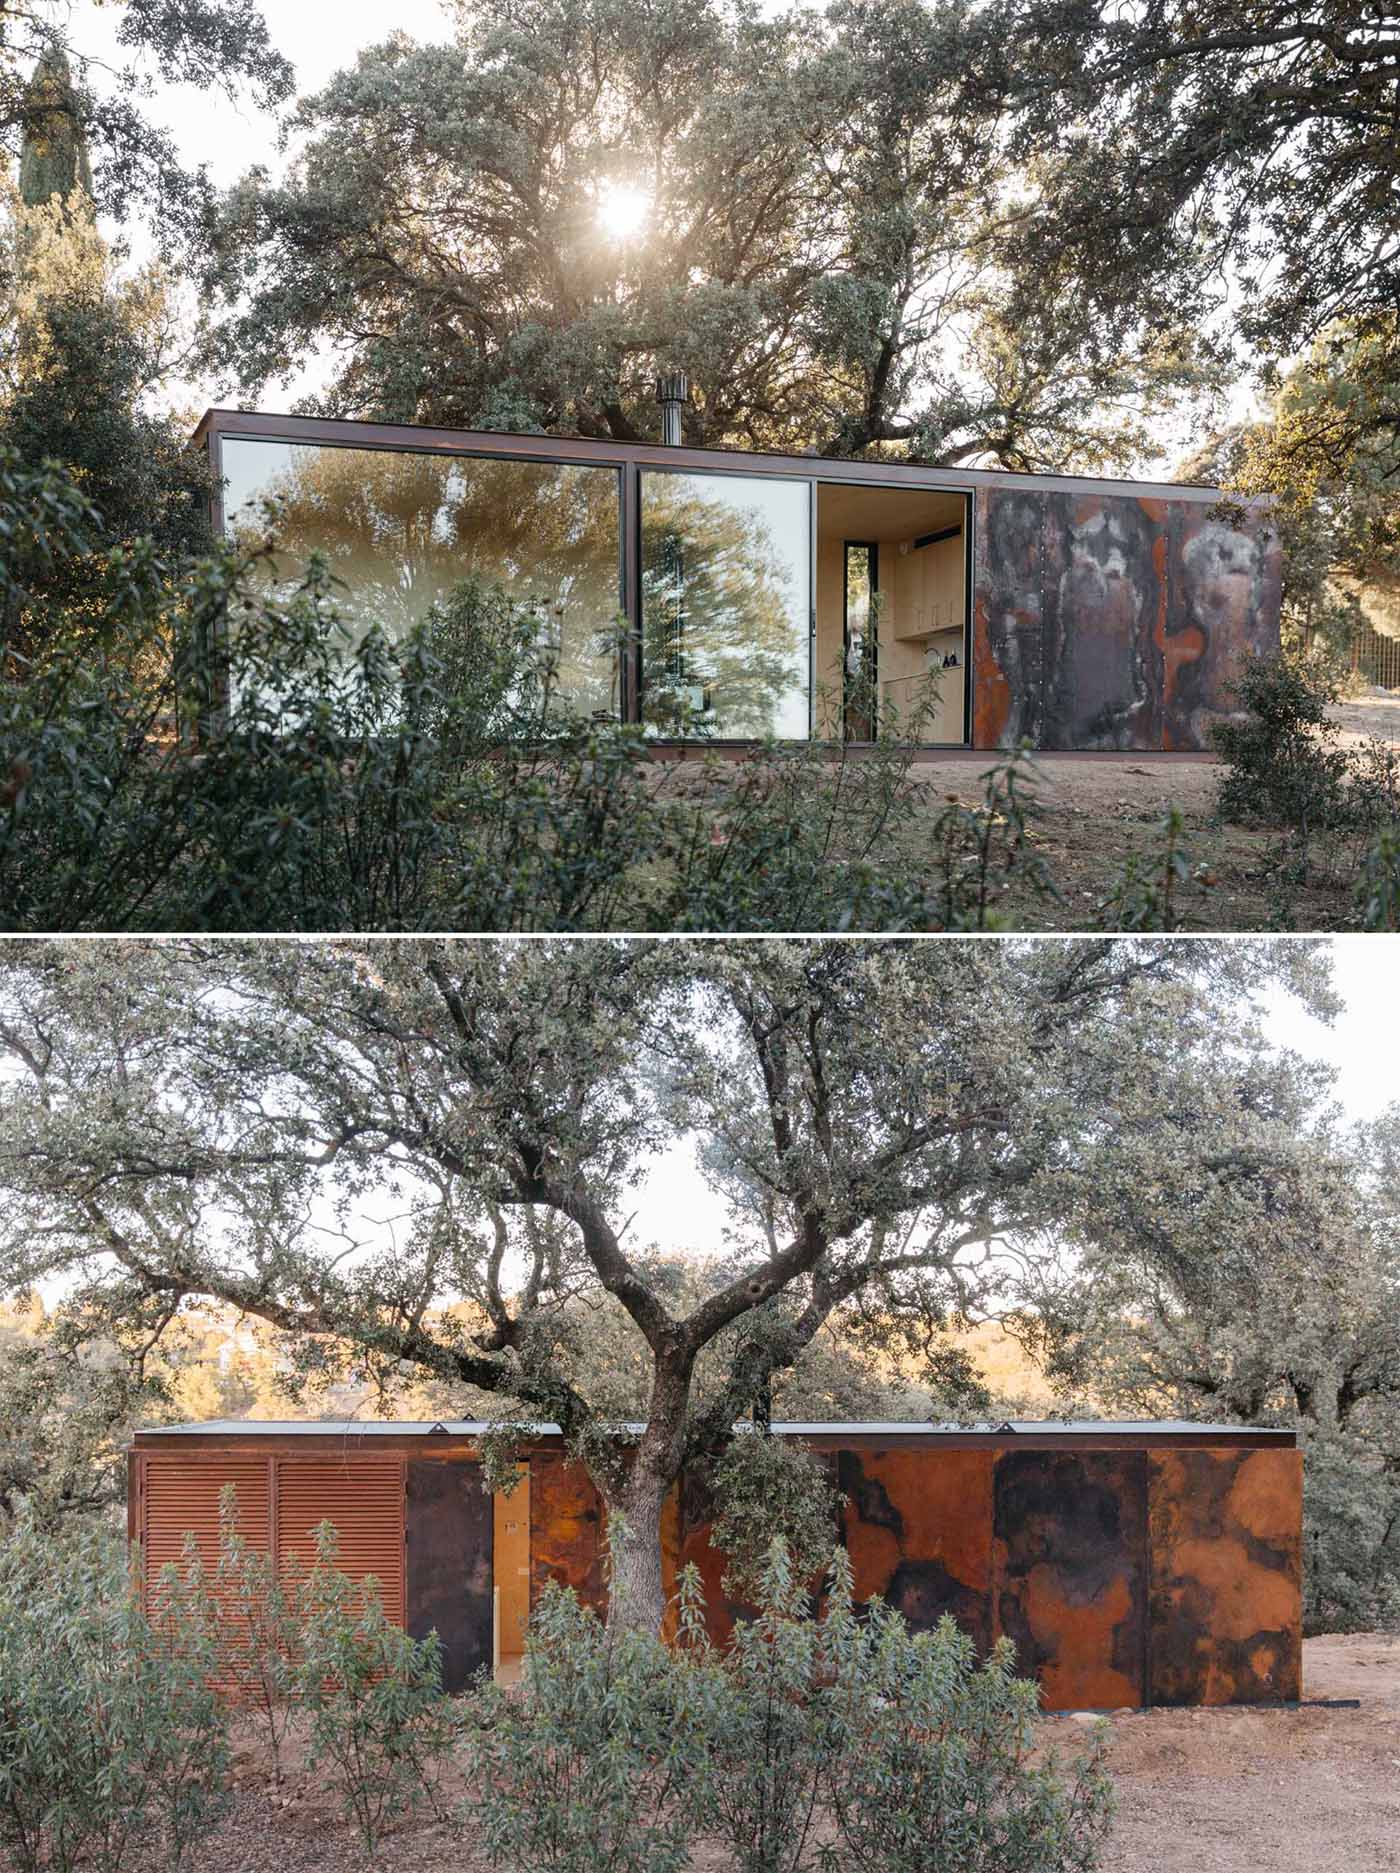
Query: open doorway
[
  {"x": 511, "y": 1517},
  {"x": 891, "y": 611}
]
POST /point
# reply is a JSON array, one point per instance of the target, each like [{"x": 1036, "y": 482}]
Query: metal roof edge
[{"x": 258, "y": 425}]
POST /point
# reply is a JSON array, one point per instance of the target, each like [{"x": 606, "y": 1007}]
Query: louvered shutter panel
[
  {"x": 180, "y": 1495},
  {"x": 363, "y": 1497}
]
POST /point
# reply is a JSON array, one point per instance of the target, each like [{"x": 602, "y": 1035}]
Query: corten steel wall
[
  {"x": 1104, "y": 615},
  {"x": 1124, "y": 1577},
  {"x": 1108, "y": 621},
  {"x": 1161, "y": 1569}
]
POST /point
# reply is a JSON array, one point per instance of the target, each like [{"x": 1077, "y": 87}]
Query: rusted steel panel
[
  {"x": 696, "y": 1518},
  {"x": 1071, "y": 1573},
  {"x": 1105, "y": 596},
  {"x": 1104, "y": 620},
  {"x": 179, "y": 1497},
  {"x": 363, "y": 1497},
  {"x": 1226, "y": 1599},
  {"x": 1223, "y": 604},
  {"x": 566, "y": 1529},
  {"x": 448, "y": 1541},
  {"x": 1008, "y": 625},
  {"x": 917, "y": 1525}
]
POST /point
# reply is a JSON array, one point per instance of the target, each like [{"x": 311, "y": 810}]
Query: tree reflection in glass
[
  {"x": 726, "y": 605},
  {"x": 401, "y": 529}
]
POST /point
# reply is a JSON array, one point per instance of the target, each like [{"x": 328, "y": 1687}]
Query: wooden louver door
[{"x": 447, "y": 1535}]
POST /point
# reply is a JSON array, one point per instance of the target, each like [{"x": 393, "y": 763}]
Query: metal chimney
[{"x": 672, "y": 393}]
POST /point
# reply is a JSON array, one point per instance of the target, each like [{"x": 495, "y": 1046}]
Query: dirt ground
[
  {"x": 1094, "y": 810},
  {"x": 1311, "y": 1790}
]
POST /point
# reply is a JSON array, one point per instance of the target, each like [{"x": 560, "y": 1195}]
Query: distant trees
[{"x": 208, "y": 44}]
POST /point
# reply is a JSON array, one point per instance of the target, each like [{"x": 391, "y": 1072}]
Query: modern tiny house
[
  {"x": 1131, "y": 1564},
  {"x": 729, "y": 596}
]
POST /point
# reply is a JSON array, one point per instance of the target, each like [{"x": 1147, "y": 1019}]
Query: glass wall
[
  {"x": 726, "y": 605},
  {"x": 402, "y": 529}
]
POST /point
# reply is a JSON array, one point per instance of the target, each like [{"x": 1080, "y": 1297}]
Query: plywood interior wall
[
  {"x": 512, "y": 1546},
  {"x": 924, "y": 596}
]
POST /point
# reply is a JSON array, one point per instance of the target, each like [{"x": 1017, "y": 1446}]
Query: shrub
[
  {"x": 767, "y": 1486},
  {"x": 935, "y": 1765},
  {"x": 1283, "y": 764},
  {"x": 916, "y": 1757},
  {"x": 374, "y": 1696},
  {"x": 255, "y": 1618},
  {"x": 775, "y": 1743},
  {"x": 596, "y": 1763},
  {"x": 113, "y": 1750},
  {"x": 1145, "y": 893}
]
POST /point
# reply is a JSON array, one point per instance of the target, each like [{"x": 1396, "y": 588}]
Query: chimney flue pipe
[{"x": 672, "y": 393}]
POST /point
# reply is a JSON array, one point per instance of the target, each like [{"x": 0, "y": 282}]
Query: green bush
[
  {"x": 374, "y": 1697},
  {"x": 1283, "y": 764},
  {"x": 596, "y": 1763},
  {"x": 935, "y": 1768},
  {"x": 767, "y": 1486},
  {"x": 1351, "y": 1534},
  {"x": 113, "y": 1749},
  {"x": 916, "y": 1758}
]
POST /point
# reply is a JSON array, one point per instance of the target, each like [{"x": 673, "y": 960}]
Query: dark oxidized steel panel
[
  {"x": 1105, "y": 602},
  {"x": 1224, "y": 588},
  {"x": 1226, "y": 1604},
  {"x": 1071, "y": 1572},
  {"x": 566, "y": 1529},
  {"x": 918, "y": 1528},
  {"x": 448, "y": 1529},
  {"x": 1107, "y": 621},
  {"x": 1008, "y": 627}
]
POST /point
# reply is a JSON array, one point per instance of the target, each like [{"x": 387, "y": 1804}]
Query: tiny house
[
  {"x": 731, "y": 596},
  {"x": 1130, "y": 1564}
]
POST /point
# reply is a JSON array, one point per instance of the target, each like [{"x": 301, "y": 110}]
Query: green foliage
[
  {"x": 766, "y": 1487},
  {"x": 112, "y": 1745},
  {"x": 594, "y": 1764},
  {"x": 1144, "y": 894},
  {"x": 1286, "y": 767},
  {"x": 1378, "y": 882},
  {"x": 373, "y": 1694},
  {"x": 976, "y": 854},
  {"x": 1351, "y": 1532},
  {"x": 256, "y": 1615},
  {"x": 1282, "y": 761},
  {"x": 809, "y": 1742},
  {"x": 205, "y": 44},
  {"x": 915, "y": 1755},
  {"x": 825, "y": 207},
  {"x": 53, "y": 156}
]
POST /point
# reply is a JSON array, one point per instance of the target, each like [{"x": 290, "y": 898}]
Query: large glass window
[
  {"x": 402, "y": 529},
  {"x": 726, "y": 605}
]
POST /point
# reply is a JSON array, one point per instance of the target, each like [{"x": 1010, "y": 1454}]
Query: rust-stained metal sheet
[
  {"x": 1226, "y": 1590},
  {"x": 1070, "y": 1568},
  {"x": 448, "y": 1540},
  {"x": 1113, "y": 621},
  {"x": 566, "y": 1529},
  {"x": 919, "y": 1533}
]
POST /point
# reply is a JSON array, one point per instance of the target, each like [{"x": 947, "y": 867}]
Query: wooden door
[{"x": 447, "y": 1538}]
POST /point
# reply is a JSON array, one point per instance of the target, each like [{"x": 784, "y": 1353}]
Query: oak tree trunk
[{"x": 636, "y": 1593}]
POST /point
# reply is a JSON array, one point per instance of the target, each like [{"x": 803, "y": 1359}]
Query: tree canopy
[
  {"x": 416, "y": 1157},
  {"x": 826, "y": 209},
  {"x": 136, "y": 168}
]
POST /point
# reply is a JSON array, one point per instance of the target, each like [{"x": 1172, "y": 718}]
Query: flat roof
[
  {"x": 1118, "y": 1430},
  {"x": 353, "y": 432}
]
